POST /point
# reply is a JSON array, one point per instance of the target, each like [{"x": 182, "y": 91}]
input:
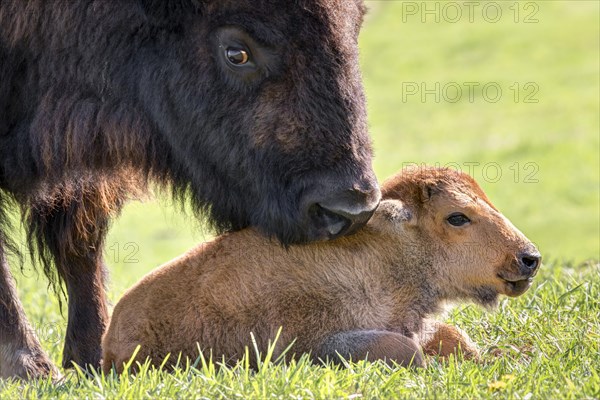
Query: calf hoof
[
  {"x": 450, "y": 340},
  {"x": 27, "y": 365}
]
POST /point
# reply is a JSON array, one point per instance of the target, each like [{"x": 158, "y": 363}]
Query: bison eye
[
  {"x": 241, "y": 59},
  {"x": 236, "y": 56},
  {"x": 458, "y": 219}
]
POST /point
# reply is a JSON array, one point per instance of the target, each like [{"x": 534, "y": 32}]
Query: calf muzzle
[
  {"x": 529, "y": 262},
  {"x": 519, "y": 277}
]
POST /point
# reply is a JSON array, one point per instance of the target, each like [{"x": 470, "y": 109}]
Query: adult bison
[{"x": 253, "y": 110}]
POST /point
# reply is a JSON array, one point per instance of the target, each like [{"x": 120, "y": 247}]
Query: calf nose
[
  {"x": 529, "y": 262},
  {"x": 346, "y": 211}
]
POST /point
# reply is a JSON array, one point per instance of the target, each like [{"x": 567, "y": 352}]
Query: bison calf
[{"x": 435, "y": 238}]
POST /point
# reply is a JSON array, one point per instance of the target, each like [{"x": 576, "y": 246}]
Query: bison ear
[{"x": 393, "y": 213}]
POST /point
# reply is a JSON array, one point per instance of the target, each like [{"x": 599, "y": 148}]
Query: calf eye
[
  {"x": 458, "y": 219},
  {"x": 237, "y": 56}
]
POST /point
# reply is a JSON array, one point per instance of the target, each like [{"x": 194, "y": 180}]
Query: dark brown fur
[
  {"x": 99, "y": 97},
  {"x": 370, "y": 295}
]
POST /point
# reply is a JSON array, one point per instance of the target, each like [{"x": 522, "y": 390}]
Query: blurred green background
[
  {"x": 541, "y": 132},
  {"x": 528, "y": 132},
  {"x": 525, "y": 122}
]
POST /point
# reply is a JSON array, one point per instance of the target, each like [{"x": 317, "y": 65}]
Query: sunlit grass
[{"x": 544, "y": 344}]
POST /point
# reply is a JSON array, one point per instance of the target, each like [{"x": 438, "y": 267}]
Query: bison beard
[{"x": 99, "y": 98}]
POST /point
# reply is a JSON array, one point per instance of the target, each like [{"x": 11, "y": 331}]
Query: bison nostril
[
  {"x": 338, "y": 221},
  {"x": 332, "y": 222},
  {"x": 530, "y": 261},
  {"x": 357, "y": 217},
  {"x": 334, "y": 213}
]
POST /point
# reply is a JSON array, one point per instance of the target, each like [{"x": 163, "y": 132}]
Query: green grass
[{"x": 544, "y": 344}]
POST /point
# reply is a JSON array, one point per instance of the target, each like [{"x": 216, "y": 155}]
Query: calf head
[{"x": 471, "y": 249}]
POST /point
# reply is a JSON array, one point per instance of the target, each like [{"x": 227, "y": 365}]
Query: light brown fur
[{"x": 366, "y": 296}]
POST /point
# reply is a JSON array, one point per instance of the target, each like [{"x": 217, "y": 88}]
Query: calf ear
[
  {"x": 394, "y": 212},
  {"x": 428, "y": 190}
]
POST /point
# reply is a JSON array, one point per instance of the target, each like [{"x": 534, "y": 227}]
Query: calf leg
[
  {"x": 21, "y": 354},
  {"x": 442, "y": 340},
  {"x": 371, "y": 345},
  {"x": 70, "y": 233}
]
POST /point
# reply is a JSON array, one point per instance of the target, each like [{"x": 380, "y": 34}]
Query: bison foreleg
[
  {"x": 21, "y": 354},
  {"x": 70, "y": 233},
  {"x": 88, "y": 313}
]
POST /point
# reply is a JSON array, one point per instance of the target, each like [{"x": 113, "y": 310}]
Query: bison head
[{"x": 260, "y": 107}]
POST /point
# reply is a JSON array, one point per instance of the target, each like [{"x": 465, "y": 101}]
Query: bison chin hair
[
  {"x": 276, "y": 215},
  {"x": 94, "y": 199}
]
